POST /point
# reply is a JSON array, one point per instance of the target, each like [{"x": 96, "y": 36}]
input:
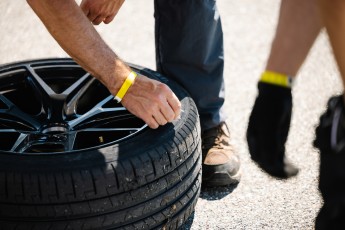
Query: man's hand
[
  {"x": 101, "y": 10},
  {"x": 152, "y": 101}
]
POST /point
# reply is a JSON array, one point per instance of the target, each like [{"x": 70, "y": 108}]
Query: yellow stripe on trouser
[{"x": 276, "y": 79}]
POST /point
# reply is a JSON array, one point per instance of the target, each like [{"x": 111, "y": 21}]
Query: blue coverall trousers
[{"x": 189, "y": 50}]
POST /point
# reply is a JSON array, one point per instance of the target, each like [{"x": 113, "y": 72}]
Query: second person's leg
[{"x": 189, "y": 49}]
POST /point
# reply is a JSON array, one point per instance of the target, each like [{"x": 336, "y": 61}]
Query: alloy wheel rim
[{"x": 54, "y": 106}]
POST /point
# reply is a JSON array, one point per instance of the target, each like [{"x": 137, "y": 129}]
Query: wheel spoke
[
  {"x": 96, "y": 110},
  {"x": 111, "y": 129},
  {"x": 21, "y": 144},
  {"x": 75, "y": 91},
  {"x": 70, "y": 141},
  {"x": 34, "y": 142},
  {"x": 106, "y": 120},
  {"x": 15, "y": 112},
  {"x": 43, "y": 92},
  {"x": 41, "y": 87}
]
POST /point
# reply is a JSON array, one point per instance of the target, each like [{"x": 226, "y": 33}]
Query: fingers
[
  {"x": 156, "y": 121},
  {"x": 101, "y": 10},
  {"x": 155, "y": 118},
  {"x": 164, "y": 111},
  {"x": 108, "y": 19},
  {"x": 171, "y": 107},
  {"x": 152, "y": 101},
  {"x": 97, "y": 20},
  {"x": 160, "y": 119},
  {"x": 152, "y": 123},
  {"x": 167, "y": 113},
  {"x": 175, "y": 104}
]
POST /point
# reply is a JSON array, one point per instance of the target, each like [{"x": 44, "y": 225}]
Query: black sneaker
[
  {"x": 221, "y": 165},
  {"x": 268, "y": 129},
  {"x": 330, "y": 140}
]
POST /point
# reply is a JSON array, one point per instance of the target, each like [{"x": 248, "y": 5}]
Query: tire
[{"x": 147, "y": 179}]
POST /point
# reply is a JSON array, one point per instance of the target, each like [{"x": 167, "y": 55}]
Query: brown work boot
[{"x": 221, "y": 166}]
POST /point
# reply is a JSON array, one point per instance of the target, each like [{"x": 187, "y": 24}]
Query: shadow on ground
[
  {"x": 210, "y": 193},
  {"x": 216, "y": 193}
]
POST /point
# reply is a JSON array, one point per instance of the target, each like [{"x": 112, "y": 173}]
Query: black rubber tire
[{"x": 150, "y": 181}]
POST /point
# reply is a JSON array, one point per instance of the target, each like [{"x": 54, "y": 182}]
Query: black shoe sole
[{"x": 214, "y": 176}]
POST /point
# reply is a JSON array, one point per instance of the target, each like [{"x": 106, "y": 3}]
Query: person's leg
[
  {"x": 330, "y": 134},
  {"x": 189, "y": 49},
  {"x": 298, "y": 26}
]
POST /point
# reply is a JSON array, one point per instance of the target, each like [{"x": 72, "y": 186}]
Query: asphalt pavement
[{"x": 258, "y": 201}]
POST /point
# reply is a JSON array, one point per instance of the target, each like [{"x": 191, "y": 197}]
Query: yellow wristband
[
  {"x": 276, "y": 79},
  {"x": 125, "y": 86}
]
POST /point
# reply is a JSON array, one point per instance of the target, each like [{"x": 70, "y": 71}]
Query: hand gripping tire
[{"x": 69, "y": 161}]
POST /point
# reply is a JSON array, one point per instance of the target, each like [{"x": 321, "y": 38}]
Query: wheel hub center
[{"x": 55, "y": 128}]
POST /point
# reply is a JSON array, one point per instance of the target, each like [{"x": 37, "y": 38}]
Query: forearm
[
  {"x": 298, "y": 26},
  {"x": 77, "y": 36}
]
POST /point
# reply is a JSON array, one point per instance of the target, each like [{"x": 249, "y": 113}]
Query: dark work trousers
[{"x": 189, "y": 50}]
